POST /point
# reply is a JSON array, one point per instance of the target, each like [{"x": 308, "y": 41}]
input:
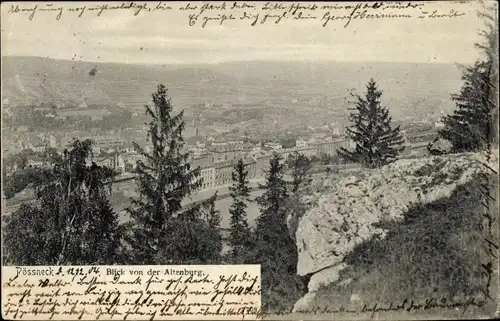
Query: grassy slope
[{"x": 435, "y": 253}]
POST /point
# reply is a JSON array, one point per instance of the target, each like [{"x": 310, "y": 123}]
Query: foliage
[
  {"x": 300, "y": 185},
  {"x": 36, "y": 120},
  {"x": 164, "y": 180},
  {"x": 489, "y": 46},
  {"x": 193, "y": 236},
  {"x": 301, "y": 166},
  {"x": 213, "y": 240},
  {"x": 274, "y": 249},
  {"x": 287, "y": 142},
  {"x": 212, "y": 214},
  {"x": 474, "y": 123},
  {"x": 120, "y": 118},
  {"x": 239, "y": 237},
  {"x": 17, "y": 161},
  {"x": 72, "y": 221},
  {"x": 18, "y": 175},
  {"x": 271, "y": 202},
  {"x": 467, "y": 128},
  {"x": 377, "y": 143},
  {"x": 324, "y": 159},
  {"x": 20, "y": 180}
]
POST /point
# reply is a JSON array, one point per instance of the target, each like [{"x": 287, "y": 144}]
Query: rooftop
[
  {"x": 223, "y": 149},
  {"x": 232, "y": 162},
  {"x": 202, "y": 163}
]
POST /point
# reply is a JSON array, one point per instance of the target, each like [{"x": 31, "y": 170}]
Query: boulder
[{"x": 347, "y": 208}]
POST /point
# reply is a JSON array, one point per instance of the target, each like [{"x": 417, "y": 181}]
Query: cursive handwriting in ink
[
  {"x": 128, "y": 292},
  {"x": 232, "y": 12}
]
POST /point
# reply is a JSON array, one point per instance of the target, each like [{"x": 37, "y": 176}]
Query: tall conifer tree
[
  {"x": 377, "y": 143},
  {"x": 274, "y": 249},
  {"x": 272, "y": 213},
  {"x": 239, "y": 237},
  {"x": 301, "y": 181},
  {"x": 467, "y": 129},
  {"x": 474, "y": 123},
  {"x": 164, "y": 179}
]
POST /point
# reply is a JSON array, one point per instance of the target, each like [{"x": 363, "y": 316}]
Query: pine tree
[
  {"x": 213, "y": 240},
  {"x": 164, "y": 179},
  {"x": 239, "y": 237},
  {"x": 275, "y": 194},
  {"x": 274, "y": 249},
  {"x": 71, "y": 221},
  {"x": 377, "y": 143},
  {"x": 474, "y": 123},
  {"x": 103, "y": 221},
  {"x": 213, "y": 215},
  {"x": 301, "y": 180},
  {"x": 490, "y": 48},
  {"x": 467, "y": 129},
  {"x": 193, "y": 236},
  {"x": 301, "y": 165}
]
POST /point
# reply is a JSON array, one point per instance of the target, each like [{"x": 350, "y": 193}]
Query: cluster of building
[
  {"x": 14, "y": 143},
  {"x": 216, "y": 162},
  {"x": 215, "y": 158}
]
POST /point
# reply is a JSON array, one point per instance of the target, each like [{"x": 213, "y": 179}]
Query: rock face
[
  {"x": 347, "y": 208},
  {"x": 344, "y": 212}
]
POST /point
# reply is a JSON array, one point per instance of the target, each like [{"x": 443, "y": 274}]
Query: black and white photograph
[{"x": 348, "y": 148}]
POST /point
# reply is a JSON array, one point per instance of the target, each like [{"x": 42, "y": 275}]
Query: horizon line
[{"x": 241, "y": 61}]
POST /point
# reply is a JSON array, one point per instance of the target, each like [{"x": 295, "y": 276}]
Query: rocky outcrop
[{"x": 347, "y": 208}]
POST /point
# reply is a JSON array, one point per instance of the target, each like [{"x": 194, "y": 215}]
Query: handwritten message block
[
  {"x": 148, "y": 292},
  {"x": 203, "y": 14}
]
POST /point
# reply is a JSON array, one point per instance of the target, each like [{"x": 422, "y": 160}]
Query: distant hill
[
  {"x": 27, "y": 79},
  {"x": 410, "y": 90}
]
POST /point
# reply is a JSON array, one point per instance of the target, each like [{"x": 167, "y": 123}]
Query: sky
[{"x": 165, "y": 37}]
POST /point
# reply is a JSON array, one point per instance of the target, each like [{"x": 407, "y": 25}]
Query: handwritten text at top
[{"x": 203, "y": 14}]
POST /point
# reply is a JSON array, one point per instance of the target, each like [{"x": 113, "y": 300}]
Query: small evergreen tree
[
  {"x": 301, "y": 181},
  {"x": 103, "y": 230},
  {"x": 239, "y": 237},
  {"x": 213, "y": 215},
  {"x": 274, "y": 249},
  {"x": 214, "y": 237},
  {"x": 193, "y": 236},
  {"x": 271, "y": 202},
  {"x": 377, "y": 143},
  {"x": 301, "y": 166},
  {"x": 71, "y": 221}
]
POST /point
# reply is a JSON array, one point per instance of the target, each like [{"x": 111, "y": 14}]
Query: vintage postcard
[{"x": 239, "y": 160}]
